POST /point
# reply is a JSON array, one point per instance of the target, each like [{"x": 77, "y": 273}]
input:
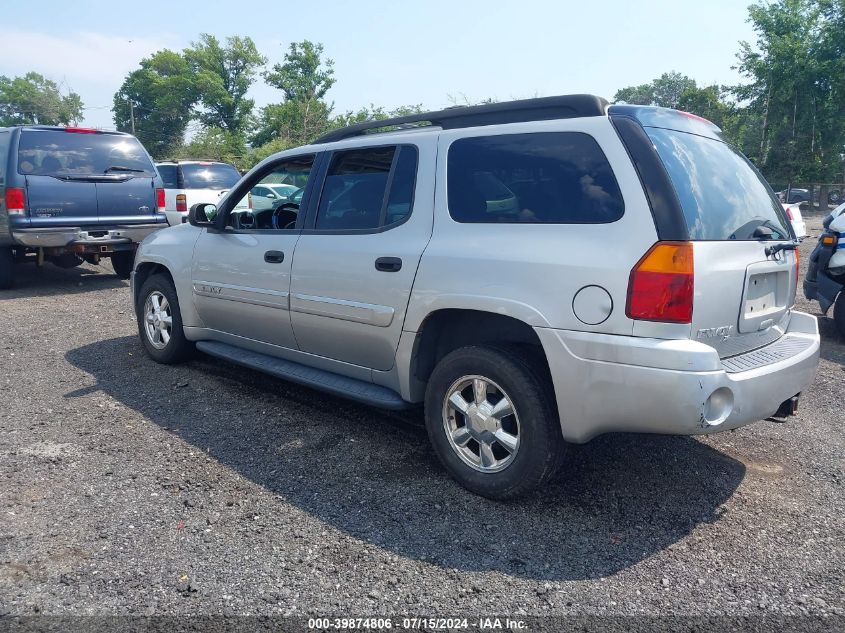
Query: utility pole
[{"x": 132, "y": 116}]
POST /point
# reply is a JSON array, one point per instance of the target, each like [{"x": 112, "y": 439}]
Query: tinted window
[
  {"x": 209, "y": 175},
  {"x": 722, "y": 196},
  {"x": 541, "y": 178},
  {"x": 60, "y": 153},
  {"x": 168, "y": 176},
  {"x": 355, "y": 192},
  {"x": 4, "y": 150}
]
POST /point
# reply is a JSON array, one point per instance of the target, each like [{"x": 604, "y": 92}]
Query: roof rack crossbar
[{"x": 540, "y": 109}]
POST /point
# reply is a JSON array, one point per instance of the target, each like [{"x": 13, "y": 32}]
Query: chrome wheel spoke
[
  {"x": 506, "y": 440},
  {"x": 502, "y": 409},
  {"x": 165, "y": 336},
  {"x": 486, "y": 452},
  {"x": 479, "y": 390},
  {"x": 461, "y": 436},
  {"x": 154, "y": 299},
  {"x": 457, "y": 401},
  {"x": 167, "y": 321}
]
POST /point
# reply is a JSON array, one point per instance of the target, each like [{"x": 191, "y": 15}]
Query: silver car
[{"x": 534, "y": 273}]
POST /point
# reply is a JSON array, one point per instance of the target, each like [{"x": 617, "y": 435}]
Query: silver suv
[{"x": 535, "y": 273}]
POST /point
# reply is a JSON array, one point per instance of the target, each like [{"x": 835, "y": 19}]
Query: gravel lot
[{"x": 132, "y": 488}]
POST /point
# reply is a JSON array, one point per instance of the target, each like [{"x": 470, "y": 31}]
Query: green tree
[
  {"x": 790, "y": 90},
  {"x": 34, "y": 99},
  {"x": 217, "y": 144},
  {"x": 223, "y": 76},
  {"x": 160, "y": 96},
  {"x": 665, "y": 91},
  {"x": 304, "y": 78}
]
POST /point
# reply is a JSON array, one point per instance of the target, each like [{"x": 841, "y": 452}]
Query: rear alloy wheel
[
  {"x": 492, "y": 419},
  {"x": 7, "y": 268},
  {"x": 122, "y": 262},
  {"x": 160, "y": 322}
]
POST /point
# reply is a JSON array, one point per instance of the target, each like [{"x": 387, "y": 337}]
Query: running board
[{"x": 343, "y": 386}]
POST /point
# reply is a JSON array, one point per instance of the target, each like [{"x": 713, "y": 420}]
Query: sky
[{"x": 434, "y": 53}]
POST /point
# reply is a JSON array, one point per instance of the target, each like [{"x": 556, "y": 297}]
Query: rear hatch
[
  {"x": 85, "y": 177},
  {"x": 743, "y": 292}
]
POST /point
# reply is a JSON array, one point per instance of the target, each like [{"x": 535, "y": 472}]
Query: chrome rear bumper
[{"x": 70, "y": 236}]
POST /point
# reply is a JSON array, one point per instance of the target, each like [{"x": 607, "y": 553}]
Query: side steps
[{"x": 358, "y": 390}]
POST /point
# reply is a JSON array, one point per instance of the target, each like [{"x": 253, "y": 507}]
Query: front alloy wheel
[
  {"x": 481, "y": 423},
  {"x": 158, "y": 320}
]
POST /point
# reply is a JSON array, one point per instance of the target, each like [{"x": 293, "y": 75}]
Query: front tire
[
  {"x": 491, "y": 417},
  {"x": 160, "y": 321},
  {"x": 839, "y": 313},
  {"x": 122, "y": 262},
  {"x": 7, "y": 268}
]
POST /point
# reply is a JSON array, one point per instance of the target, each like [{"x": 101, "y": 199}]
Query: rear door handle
[
  {"x": 389, "y": 264},
  {"x": 274, "y": 257}
]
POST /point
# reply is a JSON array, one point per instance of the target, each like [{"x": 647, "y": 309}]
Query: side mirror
[{"x": 202, "y": 214}]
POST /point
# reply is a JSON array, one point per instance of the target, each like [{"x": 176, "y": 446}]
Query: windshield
[
  {"x": 722, "y": 195},
  {"x": 60, "y": 153},
  {"x": 209, "y": 175}
]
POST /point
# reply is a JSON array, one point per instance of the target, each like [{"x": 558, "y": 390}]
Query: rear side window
[
  {"x": 209, "y": 175},
  {"x": 368, "y": 188},
  {"x": 60, "y": 153},
  {"x": 168, "y": 176},
  {"x": 538, "y": 178},
  {"x": 722, "y": 196}
]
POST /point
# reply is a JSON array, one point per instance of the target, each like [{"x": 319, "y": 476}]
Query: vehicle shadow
[
  {"x": 373, "y": 475},
  {"x": 32, "y": 281}
]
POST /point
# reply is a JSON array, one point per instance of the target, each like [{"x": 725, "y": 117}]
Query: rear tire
[
  {"x": 465, "y": 421},
  {"x": 7, "y": 268},
  {"x": 160, "y": 322},
  {"x": 839, "y": 313},
  {"x": 122, "y": 262}
]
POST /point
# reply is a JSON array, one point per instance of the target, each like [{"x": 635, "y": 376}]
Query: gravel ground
[{"x": 132, "y": 488}]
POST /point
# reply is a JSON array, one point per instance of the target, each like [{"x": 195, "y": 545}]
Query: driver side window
[{"x": 273, "y": 201}]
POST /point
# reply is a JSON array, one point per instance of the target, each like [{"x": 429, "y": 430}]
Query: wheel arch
[{"x": 445, "y": 330}]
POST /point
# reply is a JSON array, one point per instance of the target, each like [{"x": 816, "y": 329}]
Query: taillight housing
[
  {"x": 181, "y": 203},
  {"x": 661, "y": 285},
  {"x": 160, "y": 203},
  {"x": 15, "y": 201},
  {"x": 249, "y": 199},
  {"x": 789, "y": 213}
]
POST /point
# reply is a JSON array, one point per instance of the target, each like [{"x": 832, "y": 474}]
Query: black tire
[
  {"x": 122, "y": 262},
  {"x": 7, "y": 268},
  {"x": 525, "y": 382},
  {"x": 177, "y": 348},
  {"x": 839, "y": 314}
]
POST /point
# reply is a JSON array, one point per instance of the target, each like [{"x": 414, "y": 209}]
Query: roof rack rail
[
  {"x": 540, "y": 109},
  {"x": 192, "y": 160}
]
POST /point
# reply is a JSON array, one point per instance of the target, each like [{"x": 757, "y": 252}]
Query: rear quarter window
[
  {"x": 536, "y": 178},
  {"x": 168, "y": 176}
]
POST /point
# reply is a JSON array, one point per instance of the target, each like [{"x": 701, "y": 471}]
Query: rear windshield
[
  {"x": 209, "y": 176},
  {"x": 722, "y": 195},
  {"x": 60, "y": 153}
]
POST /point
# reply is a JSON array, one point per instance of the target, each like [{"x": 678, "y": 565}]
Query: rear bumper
[
  {"x": 605, "y": 383},
  {"x": 71, "y": 236}
]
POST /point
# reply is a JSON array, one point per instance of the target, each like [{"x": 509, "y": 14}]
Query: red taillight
[
  {"x": 660, "y": 287},
  {"x": 181, "y": 203},
  {"x": 81, "y": 130},
  {"x": 15, "y": 201},
  {"x": 249, "y": 199},
  {"x": 160, "y": 200},
  {"x": 788, "y": 213}
]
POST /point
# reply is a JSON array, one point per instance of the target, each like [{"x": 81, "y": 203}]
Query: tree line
[{"x": 788, "y": 115}]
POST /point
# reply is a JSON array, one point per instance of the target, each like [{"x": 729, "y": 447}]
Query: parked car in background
[
  {"x": 825, "y": 279},
  {"x": 796, "y": 196},
  {"x": 267, "y": 195},
  {"x": 188, "y": 182},
  {"x": 793, "y": 213},
  {"x": 605, "y": 286},
  {"x": 69, "y": 195}
]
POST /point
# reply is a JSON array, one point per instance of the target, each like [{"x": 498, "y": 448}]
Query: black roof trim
[{"x": 540, "y": 109}]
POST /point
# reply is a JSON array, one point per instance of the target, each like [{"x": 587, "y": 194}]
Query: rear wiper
[
  {"x": 777, "y": 248},
  {"x": 122, "y": 168}
]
